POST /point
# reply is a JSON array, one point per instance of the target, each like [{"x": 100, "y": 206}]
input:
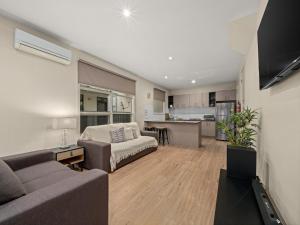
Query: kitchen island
[{"x": 181, "y": 132}]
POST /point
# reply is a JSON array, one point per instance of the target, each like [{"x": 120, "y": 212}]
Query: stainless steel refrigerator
[{"x": 224, "y": 109}]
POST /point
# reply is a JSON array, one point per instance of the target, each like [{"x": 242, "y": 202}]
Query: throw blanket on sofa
[{"x": 123, "y": 150}]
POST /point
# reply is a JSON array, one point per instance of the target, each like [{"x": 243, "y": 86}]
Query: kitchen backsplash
[
  {"x": 196, "y": 110},
  {"x": 193, "y": 113}
]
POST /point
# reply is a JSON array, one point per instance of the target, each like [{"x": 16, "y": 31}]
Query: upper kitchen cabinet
[
  {"x": 212, "y": 99},
  {"x": 195, "y": 100},
  {"x": 181, "y": 101},
  {"x": 227, "y": 95},
  {"x": 176, "y": 101},
  {"x": 185, "y": 101},
  {"x": 205, "y": 99},
  {"x": 191, "y": 101}
]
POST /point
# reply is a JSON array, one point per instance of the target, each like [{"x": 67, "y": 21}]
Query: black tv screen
[{"x": 279, "y": 41}]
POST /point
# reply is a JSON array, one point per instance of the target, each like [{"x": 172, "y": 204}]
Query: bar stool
[
  {"x": 149, "y": 128},
  {"x": 162, "y": 134}
]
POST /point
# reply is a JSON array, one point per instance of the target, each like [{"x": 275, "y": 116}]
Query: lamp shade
[{"x": 65, "y": 123}]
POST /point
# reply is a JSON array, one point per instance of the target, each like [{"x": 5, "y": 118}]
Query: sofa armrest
[
  {"x": 78, "y": 200},
  {"x": 21, "y": 161},
  {"x": 97, "y": 155},
  {"x": 150, "y": 133}
]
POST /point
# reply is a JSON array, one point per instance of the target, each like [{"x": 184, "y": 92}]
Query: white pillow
[
  {"x": 128, "y": 133},
  {"x": 135, "y": 133},
  {"x": 135, "y": 126}
]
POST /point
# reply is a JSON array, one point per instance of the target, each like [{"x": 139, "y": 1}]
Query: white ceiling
[{"x": 194, "y": 32}]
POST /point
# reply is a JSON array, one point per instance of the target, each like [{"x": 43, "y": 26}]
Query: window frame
[
  {"x": 110, "y": 94},
  {"x": 163, "y": 106}
]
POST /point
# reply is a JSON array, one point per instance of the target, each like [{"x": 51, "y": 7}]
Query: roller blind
[
  {"x": 96, "y": 76},
  {"x": 159, "y": 95}
]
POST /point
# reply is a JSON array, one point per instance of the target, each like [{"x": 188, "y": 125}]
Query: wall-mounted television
[{"x": 279, "y": 42}]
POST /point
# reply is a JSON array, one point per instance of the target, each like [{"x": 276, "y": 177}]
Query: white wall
[
  {"x": 278, "y": 143},
  {"x": 34, "y": 90},
  {"x": 205, "y": 88},
  {"x": 241, "y": 33}
]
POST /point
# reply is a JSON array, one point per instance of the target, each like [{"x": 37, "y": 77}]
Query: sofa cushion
[
  {"x": 49, "y": 179},
  {"x": 39, "y": 170},
  {"x": 10, "y": 185},
  {"x": 43, "y": 174},
  {"x": 134, "y": 126},
  {"x": 135, "y": 133},
  {"x": 117, "y": 135},
  {"x": 128, "y": 134}
]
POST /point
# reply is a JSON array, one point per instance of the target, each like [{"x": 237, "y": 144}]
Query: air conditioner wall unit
[{"x": 34, "y": 45}]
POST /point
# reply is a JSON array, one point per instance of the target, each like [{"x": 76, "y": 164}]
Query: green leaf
[{"x": 240, "y": 128}]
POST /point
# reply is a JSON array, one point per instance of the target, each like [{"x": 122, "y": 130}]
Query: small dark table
[{"x": 236, "y": 203}]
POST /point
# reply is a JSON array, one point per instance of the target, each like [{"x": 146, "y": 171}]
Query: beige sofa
[{"x": 101, "y": 153}]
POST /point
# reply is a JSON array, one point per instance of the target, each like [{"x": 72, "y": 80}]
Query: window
[
  {"x": 122, "y": 107},
  {"x": 91, "y": 120},
  {"x": 122, "y": 104},
  {"x": 93, "y": 108},
  {"x": 122, "y": 118},
  {"x": 158, "y": 106},
  {"x": 92, "y": 101},
  {"x": 158, "y": 100},
  {"x": 81, "y": 103},
  {"x": 100, "y": 106}
]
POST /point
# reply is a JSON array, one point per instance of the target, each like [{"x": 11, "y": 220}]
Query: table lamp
[{"x": 65, "y": 123}]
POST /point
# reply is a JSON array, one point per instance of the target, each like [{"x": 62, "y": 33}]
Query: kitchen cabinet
[
  {"x": 195, "y": 100},
  {"x": 226, "y": 95},
  {"x": 191, "y": 101},
  {"x": 209, "y": 128},
  {"x": 212, "y": 129},
  {"x": 176, "y": 101},
  {"x": 205, "y": 99},
  {"x": 181, "y": 101},
  {"x": 199, "y": 100},
  {"x": 220, "y": 96},
  {"x": 212, "y": 99},
  {"x": 185, "y": 101},
  {"x": 230, "y": 95}
]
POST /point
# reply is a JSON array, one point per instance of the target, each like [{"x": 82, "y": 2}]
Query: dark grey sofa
[
  {"x": 55, "y": 194},
  {"x": 97, "y": 154}
]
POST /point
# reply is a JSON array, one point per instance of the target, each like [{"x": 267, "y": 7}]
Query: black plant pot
[{"x": 241, "y": 162}]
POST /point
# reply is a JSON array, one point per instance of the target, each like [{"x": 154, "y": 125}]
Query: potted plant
[{"x": 240, "y": 131}]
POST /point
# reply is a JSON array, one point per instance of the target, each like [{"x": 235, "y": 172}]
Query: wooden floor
[{"x": 170, "y": 186}]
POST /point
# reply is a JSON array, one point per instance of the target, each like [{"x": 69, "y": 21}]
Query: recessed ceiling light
[
  {"x": 193, "y": 81},
  {"x": 126, "y": 12},
  {"x": 166, "y": 77},
  {"x": 170, "y": 58}
]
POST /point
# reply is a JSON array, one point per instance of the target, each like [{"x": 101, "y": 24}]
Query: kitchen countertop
[
  {"x": 187, "y": 133},
  {"x": 175, "y": 121}
]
